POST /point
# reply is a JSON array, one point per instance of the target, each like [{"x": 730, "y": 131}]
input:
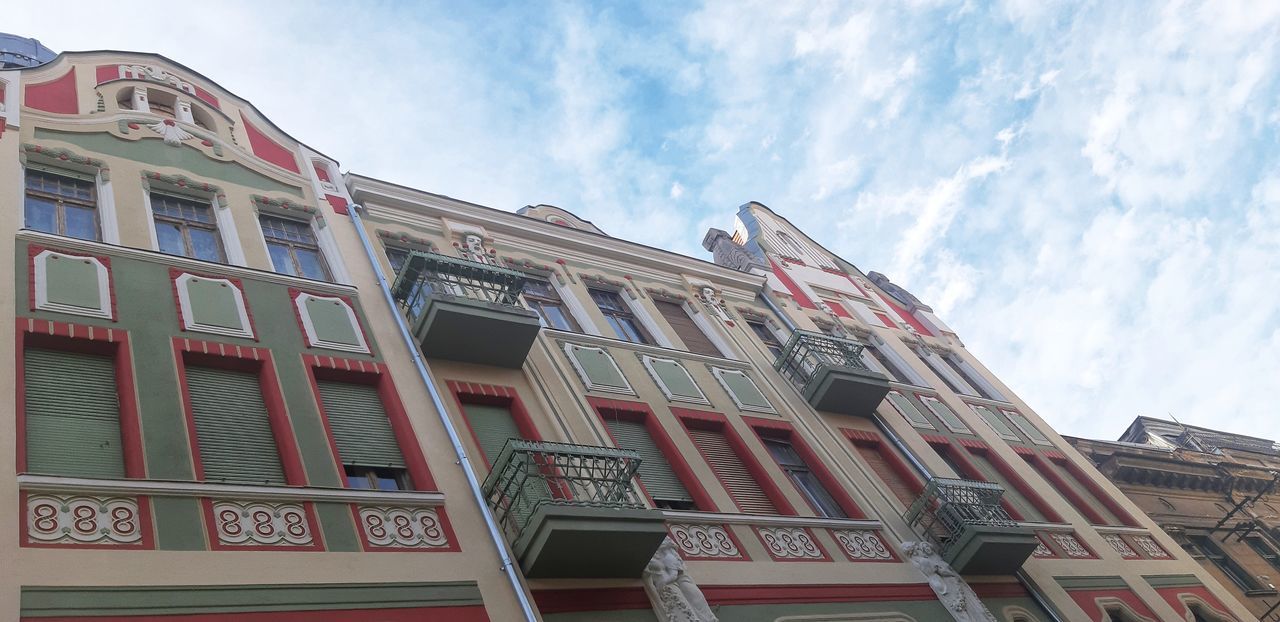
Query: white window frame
[
  {"x": 108, "y": 223},
  {"x": 574, "y": 306},
  {"x": 221, "y": 214},
  {"x": 325, "y": 243}
]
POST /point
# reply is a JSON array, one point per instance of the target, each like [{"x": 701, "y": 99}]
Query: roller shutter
[
  {"x": 360, "y": 425},
  {"x": 655, "y": 472},
  {"x": 232, "y": 427},
  {"x": 72, "y": 414},
  {"x": 744, "y": 488}
]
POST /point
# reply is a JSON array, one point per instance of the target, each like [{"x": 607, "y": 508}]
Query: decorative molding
[
  {"x": 66, "y": 155},
  {"x": 187, "y": 312},
  {"x": 790, "y": 543},
  {"x": 663, "y": 294},
  {"x": 40, "y": 283},
  {"x": 1118, "y": 543},
  {"x": 704, "y": 541},
  {"x": 647, "y": 361},
  {"x": 281, "y": 205},
  {"x": 777, "y": 520},
  {"x": 595, "y": 279},
  {"x": 1042, "y": 550},
  {"x": 405, "y": 238},
  {"x": 158, "y": 488},
  {"x": 1150, "y": 547},
  {"x": 402, "y": 527},
  {"x": 1071, "y": 545},
  {"x": 168, "y": 130},
  {"x": 260, "y": 523},
  {"x": 300, "y": 300},
  {"x": 182, "y": 181},
  {"x": 862, "y": 545},
  {"x": 754, "y": 315},
  {"x": 82, "y": 519}
]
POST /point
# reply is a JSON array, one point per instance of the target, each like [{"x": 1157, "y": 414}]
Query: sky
[{"x": 1088, "y": 192}]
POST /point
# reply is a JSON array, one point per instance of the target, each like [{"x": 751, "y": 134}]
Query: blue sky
[{"x": 1089, "y": 192}]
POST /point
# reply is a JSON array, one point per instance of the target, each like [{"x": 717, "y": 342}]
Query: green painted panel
[
  {"x": 1091, "y": 583},
  {"x": 232, "y": 428},
  {"x": 338, "y": 527},
  {"x": 179, "y": 524},
  {"x": 996, "y": 422},
  {"x": 1028, "y": 428},
  {"x": 655, "y": 472},
  {"x": 157, "y": 153},
  {"x": 599, "y": 368},
  {"x": 73, "y": 414},
  {"x": 331, "y": 321},
  {"x": 909, "y": 410},
  {"x": 41, "y": 602},
  {"x": 1172, "y": 580},
  {"x": 359, "y": 424},
  {"x": 943, "y": 412},
  {"x": 746, "y": 391},
  {"x": 675, "y": 378},
  {"x": 213, "y": 303},
  {"x": 72, "y": 281}
]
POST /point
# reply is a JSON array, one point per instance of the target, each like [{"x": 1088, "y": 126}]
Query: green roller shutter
[
  {"x": 360, "y": 425},
  {"x": 724, "y": 460},
  {"x": 72, "y": 414},
  {"x": 655, "y": 472},
  {"x": 493, "y": 426},
  {"x": 236, "y": 443}
]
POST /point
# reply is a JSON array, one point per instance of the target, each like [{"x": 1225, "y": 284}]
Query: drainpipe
[
  {"x": 424, "y": 373},
  {"x": 1021, "y": 575}
]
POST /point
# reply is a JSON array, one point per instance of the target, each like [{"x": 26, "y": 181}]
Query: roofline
[
  {"x": 708, "y": 266},
  {"x": 805, "y": 234},
  {"x": 179, "y": 65},
  {"x": 1141, "y": 418}
]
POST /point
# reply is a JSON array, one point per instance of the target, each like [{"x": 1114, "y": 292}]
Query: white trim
[
  {"x": 108, "y": 221},
  {"x": 586, "y": 380},
  {"x": 708, "y": 328},
  {"x": 648, "y": 360},
  {"x": 718, "y": 372},
  {"x": 913, "y": 377},
  {"x": 188, "y": 315},
  {"x": 330, "y": 254},
  {"x": 50, "y": 483},
  {"x": 221, "y": 215},
  {"x": 576, "y": 310},
  {"x": 300, "y": 302},
  {"x": 42, "y": 286},
  {"x": 768, "y": 520},
  {"x": 641, "y": 312}
]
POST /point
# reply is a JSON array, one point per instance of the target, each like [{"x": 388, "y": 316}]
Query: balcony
[
  {"x": 570, "y": 511},
  {"x": 466, "y": 311},
  {"x": 831, "y": 375},
  {"x": 970, "y": 528}
]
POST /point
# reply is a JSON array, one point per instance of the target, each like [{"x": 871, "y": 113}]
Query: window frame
[
  {"x": 765, "y": 335},
  {"x": 640, "y": 411},
  {"x": 622, "y": 312},
  {"x": 184, "y": 225},
  {"x": 716, "y": 422},
  {"x": 60, "y": 201},
  {"x": 292, "y": 247},
  {"x": 768, "y": 428},
  {"x": 536, "y": 303},
  {"x": 1223, "y": 561}
]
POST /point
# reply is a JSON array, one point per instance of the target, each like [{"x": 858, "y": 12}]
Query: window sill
[
  {"x": 162, "y": 488},
  {"x": 768, "y": 520}
]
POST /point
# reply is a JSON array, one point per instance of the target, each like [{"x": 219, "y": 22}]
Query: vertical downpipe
[{"x": 464, "y": 461}]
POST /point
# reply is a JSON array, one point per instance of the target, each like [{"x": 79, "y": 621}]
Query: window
[
  {"x": 767, "y": 337},
  {"x": 1214, "y": 553},
  {"x": 186, "y": 226},
  {"x": 396, "y": 257},
  {"x": 72, "y": 414},
  {"x": 890, "y": 368},
  {"x": 888, "y": 468},
  {"x": 1264, "y": 551},
  {"x": 367, "y": 447},
  {"x": 233, "y": 429},
  {"x": 693, "y": 338},
  {"x": 293, "y": 249},
  {"x": 963, "y": 370},
  {"x": 492, "y": 426},
  {"x": 656, "y": 474},
  {"x": 542, "y": 297},
  {"x": 61, "y": 204},
  {"x": 732, "y": 470},
  {"x": 956, "y": 384},
  {"x": 619, "y": 316},
  {"x": 804, "y": 478}
]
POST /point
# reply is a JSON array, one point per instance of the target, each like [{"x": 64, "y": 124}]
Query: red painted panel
[
  {"x": 338, "y": 204},
  {"x": 469, "y": 613},
  {"x": 796, "y": 292},
  {"x": 268, "y": 149},
  {"x": 58, "y": 96},
  {"x": 1087, "y": 600},
  {"x": 884, "y": 319},
  {"x": 321, "y": 173},
  {"x": 107, "y": 73},
  {"x": 907, "y": 317},
  {"x": 838, "y": 308}
]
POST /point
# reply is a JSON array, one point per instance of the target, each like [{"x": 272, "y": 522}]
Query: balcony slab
[
  {"x": 577, "y": 542},
  {"x": 474, "y": 331},
  {"x": 989, "y": 550},
  {"x": 846, "y": 390}
]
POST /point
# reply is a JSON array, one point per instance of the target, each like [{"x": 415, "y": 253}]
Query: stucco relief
[
  {"x": 956, "y": 595},
  {"x": 674, "y": 594}
]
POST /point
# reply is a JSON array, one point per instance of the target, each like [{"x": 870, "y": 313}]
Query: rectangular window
[
  {"x": 970, "y": 375},
  {"x": 186, "y": 227},
  {"x": 990, "y": 473},
  {"x": 72, "y": 414},
  {"x": 367, "y": 446},
  {"x": 233, "y": 429},
  {"x": 542, "y": 297},
  {"x": 61, "y": 204},
  {"x": 619, "y": 316},
  {"x": 1230, "y": 567},
  {"x": 805, "y": 480},
  {"x": 890, "y": 368},
  {"x": 492, "y": 426},
  {"x": 889, "y": 469},
  {"x": 1264, "y": 551},
  {"x": 293, "y": 248},
  {"x": 693, "y": 338},
  {"x": 767, "y": 337},
  {"x": 732, "y": 470},
  {"x": 396, "y": 257},
  {"x": 656, "y": 474},
  {"x": 953, "y": 382}
]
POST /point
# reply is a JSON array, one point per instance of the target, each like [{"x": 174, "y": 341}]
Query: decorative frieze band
[
  {"x": 1150, "y": 548},
  {"x": 790, "y": 543},
  {"x": 862, "y": 545},
  {"x": 399, "y": 527},
  {"x": 702, "y": 541},
  {"x": 78, "y": 519},
  {"x": 1118, "y": 543},
  {"x": 252, "y": 523}
]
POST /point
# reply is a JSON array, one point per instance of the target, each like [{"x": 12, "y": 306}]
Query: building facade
[
  {"x": 1216, "y": 493},
  {"x": 250, "y": 387}
]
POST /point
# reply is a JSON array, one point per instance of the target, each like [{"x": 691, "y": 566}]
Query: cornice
[{"x": 158, "y": 488}]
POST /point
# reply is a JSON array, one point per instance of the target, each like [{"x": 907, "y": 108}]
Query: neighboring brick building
[
  {"x": 1216, "y": 493},
  {"x": 240, "y": 396}
]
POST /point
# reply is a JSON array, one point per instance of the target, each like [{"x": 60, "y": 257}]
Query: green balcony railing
[
  {"x": 807, "y": 352},
  {"x": 429, "y": 275},
  {"x": 948, "y": 507},
  {"x": 528, "y": 475}
]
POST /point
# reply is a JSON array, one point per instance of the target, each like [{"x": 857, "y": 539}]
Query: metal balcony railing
[
  {"x": 948, "y": 507},
  {"x": 431, "y": 275},
  {"x": 528, "y": 475},
  {"x": 807, "y": 352}
]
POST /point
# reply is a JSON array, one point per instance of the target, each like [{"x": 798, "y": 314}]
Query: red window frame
[
  {"x": 718, "y": 422},
  {"x": 1028, "y": 492},
  {"x": 640, "y": 411},
  {"x": 492, "y": 395},
  {"x": 772, "y": 428},
  {"x": 864, "y": 438}
]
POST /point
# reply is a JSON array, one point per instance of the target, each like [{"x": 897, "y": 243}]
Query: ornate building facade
[
  {"x": 1217, "y": 494},
  {"x": 250, "y": 387}
]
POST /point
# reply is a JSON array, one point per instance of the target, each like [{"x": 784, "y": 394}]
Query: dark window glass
[
  {"x": 803, "y": 477},
  {"x": 61, "y": 205},
  {"x": 620, "y": 318},
  {"x": 186, "y": 226},
  {"x": 541, "y": 296},
  {"x": 370, "y": 478},
  {"x": 293, "y": 248},
  {"x": 396, "y": 257},
  {"x": 766, "y": 337},
  {"x": 1214, "y": 553},
  {"x": 968, "y": 376},
  {"x": 889, "y": 367},
  {"x": 1265, "y": 551}
]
